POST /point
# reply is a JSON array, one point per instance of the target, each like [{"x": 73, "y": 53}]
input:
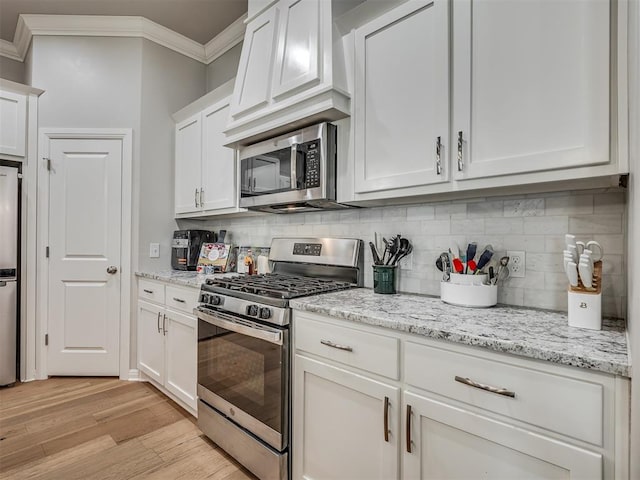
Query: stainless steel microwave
[{"x": 291, "y": 173}]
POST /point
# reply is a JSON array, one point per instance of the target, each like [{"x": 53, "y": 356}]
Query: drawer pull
[
  {"x": 460, "y": 162},
  {"x": 150, "y": 292},
  {"x": 386, "y": 419},
  {"x": 176, "y": 299},
  {"x": 159, "y": 313},
  {"x": 329, "y": 343},
  {"x": 438, "y": 152},
  {"x": 408, "y": 428},
  {"x": 488, "y": 388}
]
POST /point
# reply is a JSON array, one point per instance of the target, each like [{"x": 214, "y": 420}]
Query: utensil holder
[
  {"x": 585, "y": 305},
  {"x": 384, "y": 278},
  {"x": 469, "y": 291}
]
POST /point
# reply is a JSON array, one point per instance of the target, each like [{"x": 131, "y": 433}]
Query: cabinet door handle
[
  {"x": 460, "y": 163},
  {"x": 201, "y": 196},
  {"x": 438, "y": 158},
  {"x": 195, "y": 198},
  {"x": 150, "y": 292},
  {"x": 164, "y": 324},
  {"x": 159, "y": 313},
  {"x": 329, "y": 343},
  {"x": 176, "y": 299},
  {"x": 386, "y": 419},
  {"x": 487, "y": 388},
  {"x": 408, "y": 428}
]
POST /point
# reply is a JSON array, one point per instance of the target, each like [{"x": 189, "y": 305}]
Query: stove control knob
[
  {"x": 252, "y": 310},
  {"x": 204, "y": 298},
  {"x": 265, "y": 313},
  {"x": 215, "y": 300}
]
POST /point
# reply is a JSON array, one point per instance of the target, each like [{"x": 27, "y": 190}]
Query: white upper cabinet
[
  {"x": 205, "y": 170},
  {"x": 188, "y": 164},
  {"x": 530, "y": 85},
  {"x": 253, "y": 83},
  {"x": 292, "y": 70},
  {"x": 13, "y": 123},
  {"x": 401, "y": 98}
]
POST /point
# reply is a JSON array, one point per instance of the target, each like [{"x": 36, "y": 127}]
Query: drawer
[
  {"x": 184, "y": 299},
  {"x": 356, "y": 348},
  {"x": 562, "y": 404},
  {"x": 152, "y": 291}
]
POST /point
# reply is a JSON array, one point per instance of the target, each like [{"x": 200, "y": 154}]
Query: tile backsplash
[{"x": 535, "y": 223}]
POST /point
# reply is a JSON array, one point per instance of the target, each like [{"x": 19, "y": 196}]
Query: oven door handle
[{"x": 242, "y": 326}]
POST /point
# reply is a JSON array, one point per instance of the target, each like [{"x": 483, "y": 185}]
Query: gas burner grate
[{"x": 277, "y": 285}]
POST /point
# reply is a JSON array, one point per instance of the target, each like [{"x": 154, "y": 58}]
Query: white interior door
[{"x": 85, "y": 209}]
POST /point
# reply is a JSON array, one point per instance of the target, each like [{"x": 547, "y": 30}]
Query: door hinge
[
  {"x": 46, "y": 339},
  {"x": 46, "y": 252}
]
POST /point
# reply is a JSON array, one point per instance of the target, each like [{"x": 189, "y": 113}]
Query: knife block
[{"x": 585, "y": 305}]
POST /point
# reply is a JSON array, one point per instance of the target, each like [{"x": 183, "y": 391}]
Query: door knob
[{"x": 112, "y": 269}]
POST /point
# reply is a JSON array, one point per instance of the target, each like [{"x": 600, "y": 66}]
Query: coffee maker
[{"x": 185, "y": 247}]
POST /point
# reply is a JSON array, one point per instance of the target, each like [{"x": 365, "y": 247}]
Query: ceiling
[{"x": 199, "y": 20}]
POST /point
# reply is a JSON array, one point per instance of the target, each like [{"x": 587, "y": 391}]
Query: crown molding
[
  {"x": 118, "y": 26},
  {"x": 225, "y": 40}
]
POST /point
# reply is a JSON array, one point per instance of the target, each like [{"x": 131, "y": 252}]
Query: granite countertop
[
  {"x": 528, "y": 332},
  {"x": 180, "y": 277}
]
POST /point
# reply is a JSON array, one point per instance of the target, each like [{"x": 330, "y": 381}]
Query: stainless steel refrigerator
[{"x": 9, "y": 222}]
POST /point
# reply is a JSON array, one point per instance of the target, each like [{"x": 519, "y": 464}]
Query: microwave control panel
[
  {"x": 312, "y": 164},
  {"x": 313, "y": 249}
]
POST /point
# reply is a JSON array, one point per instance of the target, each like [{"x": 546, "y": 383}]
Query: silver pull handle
[
  {"x": 164, "y": 324},
  {"x": 460, "y": 163},
  {"x": 487, "y": 388},
  {"x": 201, "y": 196},
  {"x": 294, "y": 166},
  {"x": 150, "y": 292},
  {"x": 195, "y": 198},
  {"x": 408, "y": 428},
  {"x": 438, "y": 152},
  {"x": 386, "y": 419},
  {"x": 111, "y": 270},
  {"x": 329, "y": 343},
  {"x": 176, "y": 299},
  {"x": 159, "y": 313}
]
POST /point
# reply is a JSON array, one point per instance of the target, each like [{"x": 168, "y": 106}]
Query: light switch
[{"x": 154, "y": 250}]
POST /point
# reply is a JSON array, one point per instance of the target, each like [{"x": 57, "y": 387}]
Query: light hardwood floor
[{"x": 103, "y": 428}]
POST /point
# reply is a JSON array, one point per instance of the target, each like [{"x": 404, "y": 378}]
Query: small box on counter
[
  {"x": 214, "y": 258},
  {"x": 585, "y": 304}
]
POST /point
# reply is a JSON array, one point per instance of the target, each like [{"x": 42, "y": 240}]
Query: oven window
[{"x": 245, "y": 371}]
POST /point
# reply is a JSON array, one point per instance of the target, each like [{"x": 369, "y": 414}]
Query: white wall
[
  {"x": 223, "y": 68},
  {"x": 12, "y": 70},
  {"x": 634, "y": 229}
]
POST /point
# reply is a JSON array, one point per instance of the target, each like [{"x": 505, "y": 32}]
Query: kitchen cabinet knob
[{"x": 112, "y": 270}]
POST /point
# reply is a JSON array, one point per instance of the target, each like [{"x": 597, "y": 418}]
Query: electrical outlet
[
  {"x": 516, "y": 264},
  {"x": 154, "y": 250}
]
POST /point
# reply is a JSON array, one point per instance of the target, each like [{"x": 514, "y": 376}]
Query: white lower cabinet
[
  {"x": 345, "y": 425},
  {"x": 451, "y": 442},
  {"x": 167, "y": 345},
  {"x": 453, "y": 412}
]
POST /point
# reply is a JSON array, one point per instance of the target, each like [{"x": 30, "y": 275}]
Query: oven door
[{"x": 243, "y": 372}]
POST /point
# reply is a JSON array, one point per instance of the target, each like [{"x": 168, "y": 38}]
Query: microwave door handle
[
  {"x": 229, "y": 323},
  {"x": 294, "y": 166}
]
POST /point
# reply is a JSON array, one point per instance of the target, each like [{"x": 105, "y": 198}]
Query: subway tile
[
  {"x": 528, "y": 243},
  {"x": 613, "y": 307},
  {"x": 511, "y": 296},
  {"x": 505, "y": 226},
  {"x": 554, "y": 243},
  {"x": 611, "y": 202},
  {"x": 485, "y": 209},
  {"x": 420, "y": 212},
  {"x": 312, "y": 218},
  {"x": 528, "y": 207},
  {"x": 569, "y": 205},
  {"x": 613, "y": 265},
  {"x": 552, "y": 300},
  {"x": 436, "y": 227},
  {"x": 614, "y": 285},
  {"x": 556, "y": 281},
  {"x": 546, "y": 225},
  {"x": 544, "y": 262},
  {"x": 531, "y": 279},
  {"x": 371, "y": 215},
  {"x": 468, "y": 226},
  {"x": 394, "y": 214},
  {"x": 451, "y": 210},
  {"x": 596, "y": 224}
]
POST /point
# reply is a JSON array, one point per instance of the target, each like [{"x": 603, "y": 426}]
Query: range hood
[{"x": 292, "y": 71}]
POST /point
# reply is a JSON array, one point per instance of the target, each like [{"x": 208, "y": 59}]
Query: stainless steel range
[{"x": 243, "y": 347}]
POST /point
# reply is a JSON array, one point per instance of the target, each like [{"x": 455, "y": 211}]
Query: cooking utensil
[
  {"x": 471, "y": 254},
  {"x": 394, "y": 245},
  {"x": 374, "y": 254},
  {"x": 446, "y": 274},
  {"x": 457, "y": 265},
  {"x": 471, "y": 267},
  {"x": 504, "y": 261},
  {"x": 484, "y": 258},
  {"x": 405, "y": 251},
  {"x": 572, "y": 273}
]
